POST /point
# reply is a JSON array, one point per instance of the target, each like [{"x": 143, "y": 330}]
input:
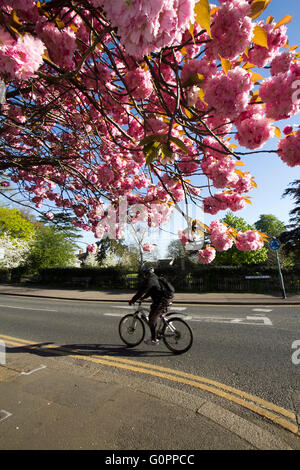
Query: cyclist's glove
[{"x": 130, "y": 302}]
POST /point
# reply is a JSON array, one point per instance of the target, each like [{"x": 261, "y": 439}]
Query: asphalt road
[{"x": 249, "y": 348}]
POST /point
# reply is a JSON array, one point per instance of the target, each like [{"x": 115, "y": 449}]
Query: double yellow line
[{"x": 282, "y": 417}]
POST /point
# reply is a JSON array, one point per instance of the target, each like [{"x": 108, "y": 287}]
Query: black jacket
[{"x": 150, "y": 287}]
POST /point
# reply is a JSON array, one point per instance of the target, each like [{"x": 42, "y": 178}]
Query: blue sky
[{"x": 271, "y": 174}]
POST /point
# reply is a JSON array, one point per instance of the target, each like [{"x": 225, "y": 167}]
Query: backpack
[{"x": 166, "y": 287}]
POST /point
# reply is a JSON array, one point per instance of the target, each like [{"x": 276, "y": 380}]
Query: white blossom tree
[{"x": 16, "y": 251}]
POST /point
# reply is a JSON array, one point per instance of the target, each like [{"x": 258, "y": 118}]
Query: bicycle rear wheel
[
  {"x": 177, "y": 335},
  {"x": 131, "y": 330}
]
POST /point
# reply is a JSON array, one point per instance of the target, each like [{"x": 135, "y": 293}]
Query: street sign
[
  {"x": 195, "y": 245},
  {"x": 274, "y": 244}
]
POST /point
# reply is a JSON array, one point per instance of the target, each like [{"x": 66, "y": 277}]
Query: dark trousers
[{"x": 155, "y": 312}]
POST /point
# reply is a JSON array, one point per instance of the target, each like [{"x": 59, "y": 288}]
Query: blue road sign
[{"x": 274, "y": 244}]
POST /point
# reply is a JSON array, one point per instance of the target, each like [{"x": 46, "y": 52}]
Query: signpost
[
  {"x": 274, "y": 244},
  {"x": 2, "y": 92}
]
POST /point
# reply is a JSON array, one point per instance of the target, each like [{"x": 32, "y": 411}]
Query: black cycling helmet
[{"x": 147, "y": 270}]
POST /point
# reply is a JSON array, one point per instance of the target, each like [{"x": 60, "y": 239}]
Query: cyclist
[{"x": 150, "y": 287}]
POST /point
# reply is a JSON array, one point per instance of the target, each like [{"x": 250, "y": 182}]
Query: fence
[
  {"x": 206, "y": 279},
  {"x": 209, "y": 279}
]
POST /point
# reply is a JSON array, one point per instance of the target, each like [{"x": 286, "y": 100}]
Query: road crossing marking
[{"x": 249, "y": 320}]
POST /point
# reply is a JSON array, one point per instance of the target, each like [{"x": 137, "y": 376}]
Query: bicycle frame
[{"x": 141, "y": 312}]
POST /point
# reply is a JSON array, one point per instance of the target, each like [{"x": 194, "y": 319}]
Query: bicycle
[{"x": 175, "y": 332}]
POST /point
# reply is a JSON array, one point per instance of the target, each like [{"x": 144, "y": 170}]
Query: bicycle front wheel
[
  {"x": 131, "y": 330},
  {"x": 177, "y": 335}
]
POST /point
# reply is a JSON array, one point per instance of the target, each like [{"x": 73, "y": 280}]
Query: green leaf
[
  {"x": 150, "y": 140},
  {"x": 152, "y": 152},
  {"x": 166, "y": 151},
  {"x": 179, "y": 144},
  {"x": 257, "y": 7},
  {"x": 194, "y": 79}
]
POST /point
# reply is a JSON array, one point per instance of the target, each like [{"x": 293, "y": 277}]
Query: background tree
[
  {"x": 269, "y": 224},
  {"x": 273, "y": 227},
  {"x": 51, "y": 249},
  {"x": 13, "y": 224},
  {"x": 291, "y": 238},
  {"x": 113, "y": 248},
  {"x": 62, "y": 223}
]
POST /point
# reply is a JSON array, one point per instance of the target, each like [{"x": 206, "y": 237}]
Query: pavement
[{"x": 54, "y": 399}]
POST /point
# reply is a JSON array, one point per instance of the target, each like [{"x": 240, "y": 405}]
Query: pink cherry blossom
[
  {"x": 231, "y": 31},
  {"x": 219, "y": 236},
  {"x": 61, "y": 45},
  {"x": 183, "y": 237},
  {"x": 148, "y": 247},
  {"x": 207, "y": 255},
  {"x": 92, "y": 249},
  {"x": 261, "y": 56},
  {"x": 139, "y": 83},
  {"x": 87, "y": 82},
  {"x": 228, "y": 94},
  {"x": 148, "y": 25},
  {"x": 288, "y": 130},
  {"x": 277, "y": 93},
  {"x": 282, "y": 62},
  {"x": 254, "y": 132},
  {"x": 249, "y": 240},
  {"x": 20, "y": 58},
  {"x": 289, "y": 149},
  {"x": 222, "y": 201}
]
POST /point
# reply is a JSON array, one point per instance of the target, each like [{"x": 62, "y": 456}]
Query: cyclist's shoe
[{"x": 152, "y": 342}]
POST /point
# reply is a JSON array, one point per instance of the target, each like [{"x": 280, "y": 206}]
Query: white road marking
[
  {"x": 132, "y": 308},
  {"x": 34, "y": 370},
  {"x": 27, "y": 308},
  {"x": 113, "y": 314},
  {"x": 265, "y": 310},
  {"x": 5, "y": 413},
  {"x": 266, "y": 320}
]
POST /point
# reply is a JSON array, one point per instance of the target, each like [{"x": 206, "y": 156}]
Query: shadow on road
[{"x": 51, "y": 349}]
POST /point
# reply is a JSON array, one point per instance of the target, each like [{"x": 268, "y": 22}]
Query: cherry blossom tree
[{"x": 132, "y": 106}]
